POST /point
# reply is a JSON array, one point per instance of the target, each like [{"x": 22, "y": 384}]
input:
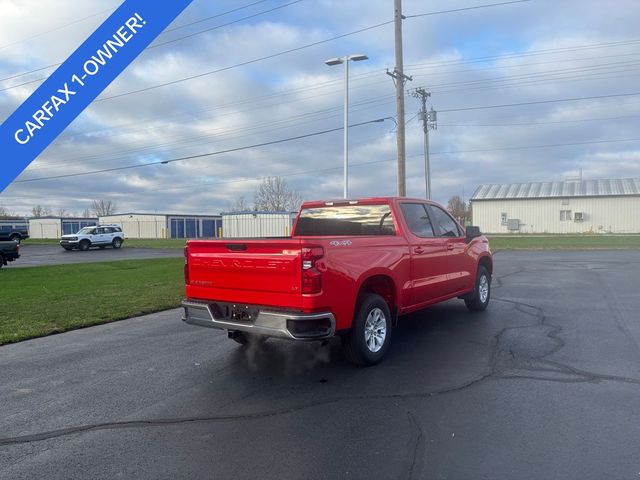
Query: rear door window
[{"x": 417, "y": 219}]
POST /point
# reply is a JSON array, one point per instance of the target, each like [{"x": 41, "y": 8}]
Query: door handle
[
  {"x": 418, "y": 250},
  {"x": 450, "y": 246}
]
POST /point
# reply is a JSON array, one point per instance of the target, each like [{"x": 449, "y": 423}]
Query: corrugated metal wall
[
  {"x": 139, "y": 226},
  {"x": 256, "y": 225},
  {"x": 45, "y": 227},
  {"x": 600, "y": 215}
]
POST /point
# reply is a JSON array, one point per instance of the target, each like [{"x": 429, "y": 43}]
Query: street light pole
[
  {"x": 345, "y": 193},
  {"x": 338, "y": 61}
]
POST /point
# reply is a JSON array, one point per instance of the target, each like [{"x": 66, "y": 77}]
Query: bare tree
[
  {"x": 274, "y": 195},
  {"x": 458, "y": 208},
  {"x": 40, "y": 211},
  {"x": 3, "y": 212},
  {"x": 240, "y": 205},
  {"x": 101, "y": 207},
  {"x": 61, "y": 212},
  {"x": 86, "y": 213}
]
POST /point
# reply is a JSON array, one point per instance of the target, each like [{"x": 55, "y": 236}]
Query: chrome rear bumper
[{"x": 273, "y": 323}]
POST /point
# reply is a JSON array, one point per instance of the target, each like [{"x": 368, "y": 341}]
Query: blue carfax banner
[{"x": 79, "y": 80}]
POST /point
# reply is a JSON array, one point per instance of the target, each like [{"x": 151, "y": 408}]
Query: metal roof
[
  {"x": 160, "y": 215},
  {"x": 566, "y": 189}
]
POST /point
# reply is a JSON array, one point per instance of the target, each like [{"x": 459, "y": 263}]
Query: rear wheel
[
  {"x": 481, "y": 291},
  {"x": 117, "y": 243},
  {"x": 368, "y": 340},
  {"x": 244, "y": 338},
  {"x": 84, "y": 245}
]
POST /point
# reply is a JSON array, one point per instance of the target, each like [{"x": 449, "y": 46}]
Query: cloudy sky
[{"x": 546, "y": 54}]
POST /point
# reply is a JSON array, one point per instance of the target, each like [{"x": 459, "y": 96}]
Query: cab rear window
[{"x": 348, "y": 220}]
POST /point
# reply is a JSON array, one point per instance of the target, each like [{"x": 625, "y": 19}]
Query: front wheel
[
  {"x": 481, "y": 291},
  {"x": 368, "y": 340},
  {"x": 84, "y": 245}
]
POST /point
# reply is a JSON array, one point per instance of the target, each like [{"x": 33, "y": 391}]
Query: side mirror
[{"x": 471, "y": 233}]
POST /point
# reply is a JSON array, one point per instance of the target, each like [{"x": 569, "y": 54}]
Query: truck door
[
  {"x": 428, "y": 255},
  {"x": 460, "y": 264},
  {"x": 98, "y": 236}
]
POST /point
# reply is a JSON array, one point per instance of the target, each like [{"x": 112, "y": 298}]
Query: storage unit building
[
  {"x": 54, "y": 227},
  {"x": 160, "y": 225},
  {"x": 257, "y": 224},
  {"x": 573, "y": 206}
]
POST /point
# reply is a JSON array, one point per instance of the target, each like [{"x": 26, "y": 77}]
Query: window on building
[
  {"x": 565, "y": 215},
  {"x": 503, "y": 218}
]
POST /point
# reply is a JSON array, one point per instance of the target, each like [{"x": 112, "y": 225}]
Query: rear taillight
[
  {"x": 186, "y": 265},
  {"x": 311, "y": 276}
]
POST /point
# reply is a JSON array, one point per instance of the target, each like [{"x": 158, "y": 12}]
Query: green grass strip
[{"x": 39, "y": 301}]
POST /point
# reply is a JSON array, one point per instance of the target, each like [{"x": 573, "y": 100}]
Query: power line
[
  {"x": 162, "y": 33},
  {"x": 223, "y": 25},
  {"x": 539, "y": 102},
  {"x": 208, "y": 154},
  {"x": 212, "y": 17},
  {"x": 247, "y": 62},
  {"x": 247, "y": 129},
  {"x": 315, "y": 86},
  {"x": 475, "y": 7},
  {"x": 55, "y": 29},
  {"x": 453, "y": 152},
  {"x": 268, "y": 56},
  {"x": 528, "y": 124}
]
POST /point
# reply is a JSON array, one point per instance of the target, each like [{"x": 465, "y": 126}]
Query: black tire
[
  {"x": 116, "y": 243},
  {"x": 68, "y": 249},
  {"x": 84, "y": 245},
  {"x": 371, "y": 308},
  {"x": 101, "y": 247},
  {"x": 244, "y": 338},
  {"x": 15, "y": 238},
  {"x": 476, "y": 302}
]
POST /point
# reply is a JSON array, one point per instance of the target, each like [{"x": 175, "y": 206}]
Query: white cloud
[{"x": 296, "y": 94}]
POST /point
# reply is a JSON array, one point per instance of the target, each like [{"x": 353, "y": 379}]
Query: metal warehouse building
[
  {"x": 572, "y": 206},
  {"x": 257, "y": 224},
  {"x": 165, "y": 225},
  {"x": 53, "y": 227}
]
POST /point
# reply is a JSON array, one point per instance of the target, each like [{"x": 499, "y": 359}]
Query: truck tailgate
[{"x": 260, "y": 272}]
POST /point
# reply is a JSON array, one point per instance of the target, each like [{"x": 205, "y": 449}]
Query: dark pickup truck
[
  {"x": 9, "y": 251},
  {"x": 15, "y": 232}
]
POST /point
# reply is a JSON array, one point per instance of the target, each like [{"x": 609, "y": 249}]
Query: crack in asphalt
[
  {"x": 416, "y": 446},
  {"x": 502, "y": 361}
]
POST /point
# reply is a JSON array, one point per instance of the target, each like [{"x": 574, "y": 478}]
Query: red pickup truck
[{"x": 350, "y": 268}]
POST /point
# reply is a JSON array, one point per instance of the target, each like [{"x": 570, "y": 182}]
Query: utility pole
[
  {"x": 400, "y": 79},
  {"x": 429, "y": 122}
]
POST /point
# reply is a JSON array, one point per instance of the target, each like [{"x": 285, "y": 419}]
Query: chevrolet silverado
[{"x": 350, "y": 268}]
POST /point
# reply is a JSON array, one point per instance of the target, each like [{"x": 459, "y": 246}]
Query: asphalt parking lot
[
  {"x": 40, "y": 255},
  {"x": 544, "y": 385}
]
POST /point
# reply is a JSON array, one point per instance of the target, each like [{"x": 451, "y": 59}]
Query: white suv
[{"x": 100, "y": 236}]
